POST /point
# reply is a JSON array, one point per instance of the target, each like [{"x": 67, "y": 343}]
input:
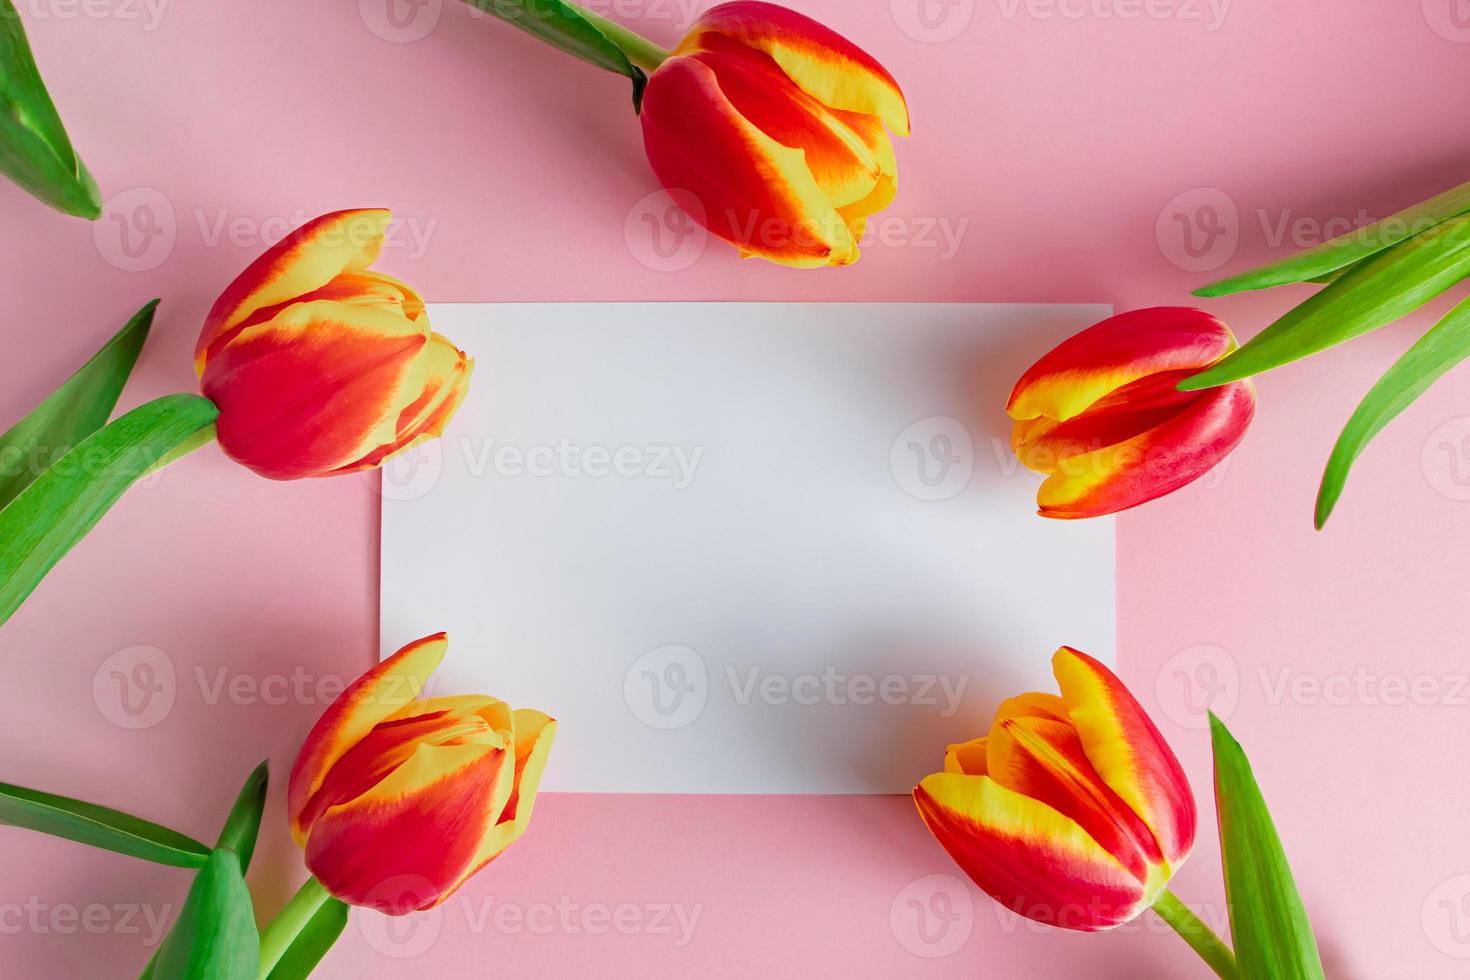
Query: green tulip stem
[
  {"x": 1201, "y": 938},
  {"x": 639, "y": 49},
  {"x": 288, "y": 923}
]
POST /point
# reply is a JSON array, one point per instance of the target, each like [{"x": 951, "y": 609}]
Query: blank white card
[{"x": 742, "y": 548}]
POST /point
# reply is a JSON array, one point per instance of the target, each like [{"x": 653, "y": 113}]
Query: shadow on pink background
[{"x": 1077, "y": 150}]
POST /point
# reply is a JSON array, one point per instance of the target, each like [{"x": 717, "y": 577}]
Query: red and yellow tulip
[
  {"x": 389, "y": 788},
  {"x": 318, "y": 364},
  {"x": 1072, "y": 811},
  {"x": 1101, "y": 415},
  {"x": 775, "y": 124}
]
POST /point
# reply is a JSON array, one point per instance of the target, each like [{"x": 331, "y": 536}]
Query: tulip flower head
[
  {"x": 1101, "y": 415},
  {"x": 398, "y": 800},
  {"x": 774, "y": 127},
  {"x": 318, "y": 364},
  {"x": 1072, "y": 811}
]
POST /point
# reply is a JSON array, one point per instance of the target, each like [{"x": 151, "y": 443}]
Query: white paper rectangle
[{"x": 742, "y": 548}]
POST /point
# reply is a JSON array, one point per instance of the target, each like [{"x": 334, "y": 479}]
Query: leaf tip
[
  {"x": 1195, "y": 382},
  {"x": 1220, "y": 735},
  {"x": 1329, "y": 492}
]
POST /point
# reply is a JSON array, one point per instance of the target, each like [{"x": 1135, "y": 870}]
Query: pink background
[{"x": 1062, "y": 134}]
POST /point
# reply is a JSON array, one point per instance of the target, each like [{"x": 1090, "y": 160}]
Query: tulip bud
[
  {"x": 775, "y": 125},
  {"x": 1101, "y": 414},
  {"x": 389, "y": 788},
  {"x": 1072, "y": 811},
  {"x": 320, "y": 365}
]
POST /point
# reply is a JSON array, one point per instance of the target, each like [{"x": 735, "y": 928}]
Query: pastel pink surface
[{"x": 1067, "y": 137}]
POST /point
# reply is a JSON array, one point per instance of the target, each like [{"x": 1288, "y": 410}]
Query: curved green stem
[
  {"x": 1210, "y": 947},
  {"x": 639, "y": 49},
  {"x": 288, "y": 923}
]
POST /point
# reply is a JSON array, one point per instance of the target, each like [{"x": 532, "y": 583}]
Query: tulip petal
[
  {"x": 856, "y": 215},
  {"x": 1181, "y": 449},
  {"x": 966, "y": 758},
  {"x": 870, "y": 130},
  {"x": 1116, "y": 352},
  {"x": 534, "y": 734},
  {"x": 316, "y": 388},
  {"x": 1044, "y": 760},
  {"x": 394, "y": 740},
  {"x": 1032, "y": 704},
  {"x": 447, "y": 709},
  {"x": 1027, "y": 856},
  {"x": 440, "y": 374},
  {"x": 1042, "y": 443},
  {"x": 371, "y": 698},
  {"x": 405, "y": 844},
  {"x": 754, "y": 192},
  {"x": 822, "y": 62},
  {"x": 307, "y": 259},
  {"x": 1127, "y": 751},
  {"x": 366, "y": 288},
  {"x": 845, "y": 166}
]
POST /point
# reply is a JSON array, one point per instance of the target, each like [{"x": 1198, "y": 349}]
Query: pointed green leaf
[
  {"x": 88, "y": 823},
  {"x": 63, "y": 503},
  {"x": 1272, "y": 937},
  {"x": 312, "y": 942},
  {"x": 1354, "y": 246},
  {"x": 72, "y": 412},
  {"x": 215, "y": 936},
  {"x": 1371, "y": 294},
  {"x": 1445, "y": 345},
  {"x": 35, "y": 151},
  {"x": 242, "y": 826}
]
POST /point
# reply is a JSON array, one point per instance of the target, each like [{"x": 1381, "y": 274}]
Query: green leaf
[
  {"x": 563, "y": 27},
  {"x": 72, "y": 412},
  {"x": 35, "y": 151},
  {"x": 1354, "y": 246},
  {"x": 1371, "y": 294},
  {"x": 88, "y": 823},
  {"x": 1273, "y": 939},
  {"x": 1445, "y": 345},
  {"x": 215, "y": 936},
  {"x": 312, "y": 942},
  {"x": 63, "y": 503},
  {"x": 242, "y": 826}
]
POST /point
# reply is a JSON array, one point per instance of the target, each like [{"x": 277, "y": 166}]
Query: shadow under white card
[{"x": 743, "y": 548}]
